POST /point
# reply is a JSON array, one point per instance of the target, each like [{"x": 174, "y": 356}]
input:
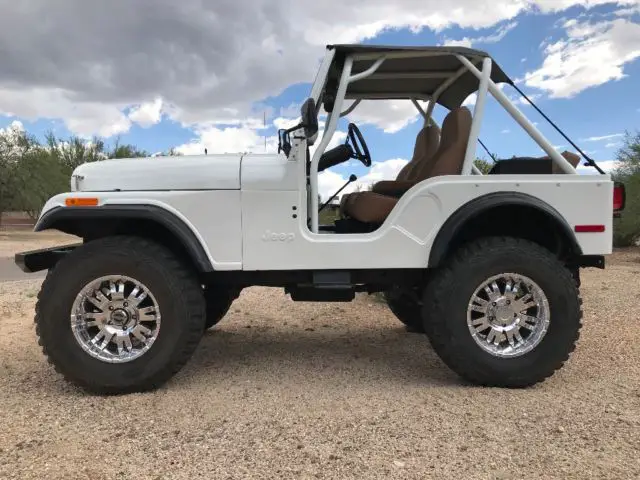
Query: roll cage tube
[
  {"x": 345, "y": 79},
  {"x": 486, "y": 85}
]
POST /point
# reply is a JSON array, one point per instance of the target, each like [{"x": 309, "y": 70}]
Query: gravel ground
[
  {"x": 22, "y": 240},
  {"x": 286, "y": 390}
]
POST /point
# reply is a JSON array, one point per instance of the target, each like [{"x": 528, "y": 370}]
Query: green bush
[{"x": 626, "y": 230}]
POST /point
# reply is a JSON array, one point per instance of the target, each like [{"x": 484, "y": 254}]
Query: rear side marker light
[
  {"x": 589, "y": 228},
  {"x": 81, "y": 202}
]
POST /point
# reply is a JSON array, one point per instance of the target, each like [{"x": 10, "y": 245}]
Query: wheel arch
[
  {"x": 506, "y": 213},
  {"x": 148, "y": 221}
]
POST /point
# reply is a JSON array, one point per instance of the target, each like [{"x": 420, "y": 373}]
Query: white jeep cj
[{"x": 487, "y": 266}]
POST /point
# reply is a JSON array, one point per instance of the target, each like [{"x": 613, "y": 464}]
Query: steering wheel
[{"x": 354, "y": 132}]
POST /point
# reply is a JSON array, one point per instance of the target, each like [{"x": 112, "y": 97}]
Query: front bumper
[{"x": 43, "y": 259}]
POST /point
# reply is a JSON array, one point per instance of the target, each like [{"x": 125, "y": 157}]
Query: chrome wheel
[
  {"x": 508, "y": 315},
  {"x": 115, "y": 319}
]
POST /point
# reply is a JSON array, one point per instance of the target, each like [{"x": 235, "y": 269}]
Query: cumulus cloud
[
  {"x": 13, "y": 127},
  {"x": 391, "y": 116},
  {"x": 591, "y": 55},
  {"x": 495, "y": 37},
  {"x": 89, "y": 62},
  {"x": 147, "y": 114},
  {"x": 607, "y": 166}
]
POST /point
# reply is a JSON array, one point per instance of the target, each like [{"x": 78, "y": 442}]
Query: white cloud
[
  {"x": 505, "y": 131},
  {"x": 463, "y": 42},
  {"x": 604, "y": 137},
  {"x": 147, "y": 114},
  {"x": 607, "y": 166},
  {"x": 612, "y": 145},
  {"x": 628, "y": 12},
  {"x": 390, "y": 116},
  {"x": 233, "y": 139},
  {"x": 471, "y": 100},
  {"x": 243, "y": 136},
  {"x": 14, "y": 127},
  {"x": 207, "y": 57},
  {"x": 591, "y": 55},
  {"x": 495, "y": 37},
  {"x": 82, "y": 118}
]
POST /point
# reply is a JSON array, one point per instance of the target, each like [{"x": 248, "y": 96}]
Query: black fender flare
[
  {"x": 61, "y": 217},
  {"x": 477, "y": 206}
]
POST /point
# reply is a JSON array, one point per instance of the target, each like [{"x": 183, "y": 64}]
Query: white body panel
[
  {"x": 269, "y": 172},
  {"x": 255, "y": 229},
  {"x": 195, "y": 172},
  {"x": 214, "y": 217},
  {"x": 274, "y": 240}
]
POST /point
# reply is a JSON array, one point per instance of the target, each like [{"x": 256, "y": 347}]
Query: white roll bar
[
  {"x": 521, "y": 119},
  {"x": 345, "y": 79}
]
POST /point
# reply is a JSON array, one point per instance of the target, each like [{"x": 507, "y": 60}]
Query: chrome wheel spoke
[
  {"x": 122, "y": 303},
  {"x": 528, "y": 322},
  {"x": 508, "y": 315},
  {"x": 147, "y": 314}
]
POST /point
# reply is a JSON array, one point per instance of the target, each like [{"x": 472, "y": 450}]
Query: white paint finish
[
  {"x": 192, "y": 172},
  {"x": 269, "y": 172},
  {"x": 214, "y": 217},
  {"x": 329, "y": 130},
  {"x": 255, "y": 229},
  {"x": 405, "y": 239},
  {"x": 478, "y": 117}
]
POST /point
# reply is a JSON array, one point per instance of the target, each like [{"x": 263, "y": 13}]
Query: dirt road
[
  {"x": 285, "y": 390},
  {"x": 9, "y": 271}
]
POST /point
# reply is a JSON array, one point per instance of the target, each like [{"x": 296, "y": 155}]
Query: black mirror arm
[{"x": 352, "y": 179}]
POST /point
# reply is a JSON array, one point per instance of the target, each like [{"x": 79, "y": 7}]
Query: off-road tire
[
  {"x": 451, "y": 287},
  {"x": 219, "y": 302},
  {"x": 406, "y": 309},
  {"x": 173, "y": 284}
]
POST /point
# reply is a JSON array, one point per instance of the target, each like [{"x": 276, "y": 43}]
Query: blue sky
[{"x": 580, "y": 63}]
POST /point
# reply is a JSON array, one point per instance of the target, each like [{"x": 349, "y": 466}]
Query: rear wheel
[
  {"x": 119, "y": 314},
  {"x": 503, "y": 312},
  {"x": 407, "y": 307}
]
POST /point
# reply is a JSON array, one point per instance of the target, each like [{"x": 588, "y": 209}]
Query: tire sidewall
[
  {"x": 564, "y": 308},
  {"x": 70, "y": 280}
]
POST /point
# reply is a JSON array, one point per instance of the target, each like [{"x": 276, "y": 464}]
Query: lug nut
[
  {"x": 110, "y": 307},
  {"x": 126, "y": 304}
]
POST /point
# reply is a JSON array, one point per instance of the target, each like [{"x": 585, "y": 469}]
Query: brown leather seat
[
  {"x": 372, "y": 207},
  {"x": 425, "y": 147}
]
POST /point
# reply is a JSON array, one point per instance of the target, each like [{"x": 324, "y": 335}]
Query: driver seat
[
  {"x": 425, "y": 147},
  {"x": 373, "y": 208}
]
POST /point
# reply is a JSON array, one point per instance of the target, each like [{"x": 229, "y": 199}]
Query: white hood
[{"x": 194, "y": 172}]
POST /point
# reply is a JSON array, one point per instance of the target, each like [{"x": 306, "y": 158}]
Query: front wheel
[
  {"x": 503, "y": 312},
  {"x": 119, "y": 314}
]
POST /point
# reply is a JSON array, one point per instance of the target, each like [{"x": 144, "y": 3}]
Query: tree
[
  {"x": 126, "y": 151},
  {"x": 626, "y": 229},
  {"x": 14, "y": 143},
  {"x": 483, "y": 165},
  {"x": 73, "y": 152}
]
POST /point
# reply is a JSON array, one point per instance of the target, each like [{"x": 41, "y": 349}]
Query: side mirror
[{"x": 309, "y": 118}]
